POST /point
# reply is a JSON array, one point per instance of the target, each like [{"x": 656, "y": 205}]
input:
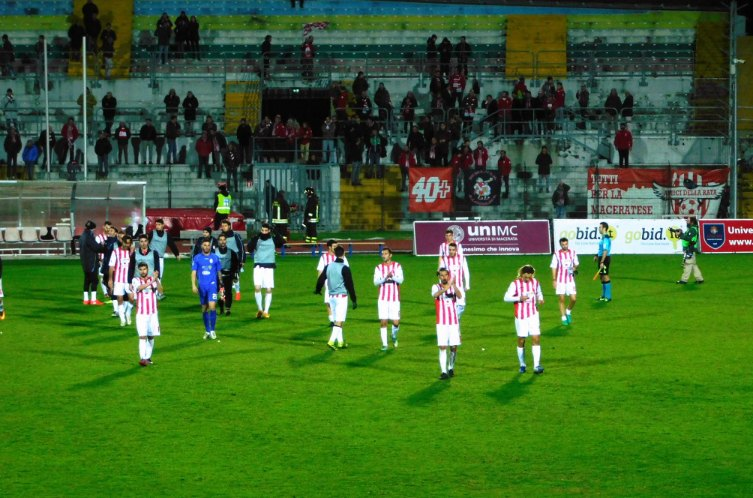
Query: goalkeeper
[{"x": 689, "y": 249}]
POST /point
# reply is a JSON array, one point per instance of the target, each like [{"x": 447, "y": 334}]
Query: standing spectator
[
  {"x": 360, "y": 84},
  {"x": 109, "y": 110},
  {"x": 480, "y": 156},
  {"x": 613, "y": 105},
  {"x": 463, "y": 53},
  {"x": 470, "y": 103},
  {"x": 39, "y": 51},
  {"x": 623, "y": 142},
  {"x": 525, "y": 292},
  {"x": 108, "y": 38},
  {"x": 445, "y": 294},
  {"x": 308, "y": 53},
  {"x": 90, "y": 13},
  {"x": 504, "y": 108},
  {"x": 263, "y": 134},
  {"x": 203, "y": 150},
  {"x": 232, "y": 160},
  {"x": 45, "y": 142},
  {"x": 122, "y": 135},
  {"x": 209, "y": 124},
  {"x": 416, "y": 142},
  {"x": 181, "y": 32},
  {"x": 30, "y": 155},
  {"x": 329, "y": 153},
  {"x": 437, "y": 83},
  {"x": 548, "y": 88},
  {"x": 560, "y": 200},
  {"x": 12, "y": 147},
  {"x": 373, "y": 155},
  {"x": 194, "y": 37},
  {"x": 505, "y": 168},
  {"x": 443, "y": 137},
  {"x": 190, "y": 104},
  {"x": 91, "y": 101},
  {"x": 148, "y": 136},
  {"x": 408, "y": 110},
  {"x": 279, "y": 137},
  {"x": 354, "y": 143},
  {"x": 304, "y": 141},
  {"x": 266, "y": 56},
  {"x": 93, "y": 30},
  {"x": 219, "y": 147},
  {"x": 406, "y": 162},
  {"x": 559, "y": 105},
  {"x": 363, "y": 105},
  {"x": 383, "y": 102},
  {"x": 172, "y": 132},
  {"x": 431, "y": 53},
  {"x": 70, "y": 135},
  {"x": 172, "y": 102},
  {"x": 457, "y": 87},
  {"x": 7, "y": 58},
  {"x": 244, "y": 133},
  {"x": 76, "y": 34},
  {"x": 445, "y": 55},
  {"x": 102, "y": 148},
  {"x": 341, "y": 105},
  {"x": 544, "y": 163},
  {"x": 583, "y": 97},
  {"x": 627, "y": 107},
  {"x": 490, "y": 104},
  {"x": 163, "y": 33},
  {"x": 10, "y": 109}
]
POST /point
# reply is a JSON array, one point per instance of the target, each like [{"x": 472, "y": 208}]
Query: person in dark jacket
[
  {"x": 109, "y": 109},
  {"x": 89, "y": 253},
  {"x": 148, "y": 136},
  {"x": 172, "y": 102},
  {"x": 243, "y": 133},
  {"x": 12, "y": 146},
  {"x": 172, "y": 132},
  {"x": 266, "y": 55},
  {"x": 311, "y": 215},
  {"x": 190, "y": 104},
  {"x": 102, "y": 148},
  {"x": 230, "y": 263},
  {"x": 122, "y": 135}
]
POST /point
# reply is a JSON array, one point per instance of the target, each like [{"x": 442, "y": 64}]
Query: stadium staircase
[
  {"x": 375, "y": 205},
  {"x": 120, "y": 14},
  {"x": 711, "y": 78},
  {"x": 185, "y": 189}
]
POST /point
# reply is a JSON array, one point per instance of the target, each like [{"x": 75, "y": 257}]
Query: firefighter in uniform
[
  {"x": 222, "y": 202},
  {"x": 281, "y": 215},
  {"x": 311, "y": 215}
]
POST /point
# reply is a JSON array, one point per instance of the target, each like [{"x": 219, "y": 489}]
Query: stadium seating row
[{"x": 61, "y": 233}]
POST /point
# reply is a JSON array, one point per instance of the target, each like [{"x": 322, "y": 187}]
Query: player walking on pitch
[
  {"x": 206, "y": 277},
  {"x": 445, "y": 294},
  {"x": 263, "y": 248},
  {"x": 146, "y": 287},
  {"x": 564, "y": 268},
  {"x": 525, "y": 292},
  {"x": 340, "y": 283},
  {"x": 324, "y": 260},
  {"x": 388, "y": 276},
  {"x": 120, "y": 276},
  {"x": 456, "y": 263}
]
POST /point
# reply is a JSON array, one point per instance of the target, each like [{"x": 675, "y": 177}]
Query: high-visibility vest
[
  {"x": 277, "y": 218},
  {"x": 223, "y": 203}
]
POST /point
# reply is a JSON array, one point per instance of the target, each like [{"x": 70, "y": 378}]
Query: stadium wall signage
[
  {"x": 720, "y": 236},
  {"x": 490, "y": 237},
  {"x": 655, "y": 192},
  {"x": 628, "y": 236},
  {"x": 430, "y": 190}
]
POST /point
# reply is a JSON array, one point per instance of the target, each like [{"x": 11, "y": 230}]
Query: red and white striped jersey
[
  {"x": 389, "y": 276},
  {"x": 146, "y": 299},
  {"x": 444, "y": 249},
  {"x": 564, "y": 262},
  {"x": 100, "y": 239},
  {"x": 447, "y": 313},
  {"x": 120, "y": 260},
  {"x": 458, "y": 268},
  {"x": 519, "y": 288},
  {"x": 326, "y": 259}
]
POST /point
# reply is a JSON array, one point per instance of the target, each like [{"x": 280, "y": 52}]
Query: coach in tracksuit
[
  {"x": 230, "y": 265},
  {"x": 89, "y": 250},
  {"x": 340, "y": 285}
]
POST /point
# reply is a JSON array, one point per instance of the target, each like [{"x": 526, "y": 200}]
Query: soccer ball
[{"x": 689, "y": 207}]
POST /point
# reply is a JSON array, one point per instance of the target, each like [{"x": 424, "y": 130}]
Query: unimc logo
[{"x": 713, "y": 234}]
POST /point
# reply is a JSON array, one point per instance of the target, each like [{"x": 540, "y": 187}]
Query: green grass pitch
[{"x": 649, "y": 395}]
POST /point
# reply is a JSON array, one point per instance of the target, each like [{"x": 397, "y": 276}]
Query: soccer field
[{"x": 648, "y": 395}]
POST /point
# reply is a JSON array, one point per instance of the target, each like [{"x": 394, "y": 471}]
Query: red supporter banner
[
  {"x": 430, "y": 190},
  {"x": 719, "y": 236},
  {"x": 488, "y": 237},
  {"x": 656, "y": 192}
]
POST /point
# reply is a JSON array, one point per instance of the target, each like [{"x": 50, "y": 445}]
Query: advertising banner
[
  {"x": 628, "y": 236},
  {"x": 482, "y": 188},
  {"x": 632, "y": 193},
  {"x": 726, "y": 235},
  {"x": 484, "y": 237},
  {"x": 430, "y": 190}
]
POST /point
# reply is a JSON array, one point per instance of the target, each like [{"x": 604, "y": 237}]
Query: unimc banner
[
  {"x": 430, "y": 190},
  {"x": 482, "y": 188},
  {"x": 646, "y": 193},
  {"x": 726, "y": 236}
]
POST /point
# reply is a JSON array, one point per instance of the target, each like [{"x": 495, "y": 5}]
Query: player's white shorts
[
  {"x": 147, "y": 325},
  {"x": 388, "y": 310},
  {"x": 528, "y": 326},
  {"x": 1, "y": 288},
  {"x": 448, "y": 335},
  {"x": 121, "y": 289},
  {"x": 339, "y": 305},
  {"x": 161, "y": 267},
  {"x": 264, "y": 277},
  {"x": 326, "y": 293},
  {"x": 567, "y": 289}
]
